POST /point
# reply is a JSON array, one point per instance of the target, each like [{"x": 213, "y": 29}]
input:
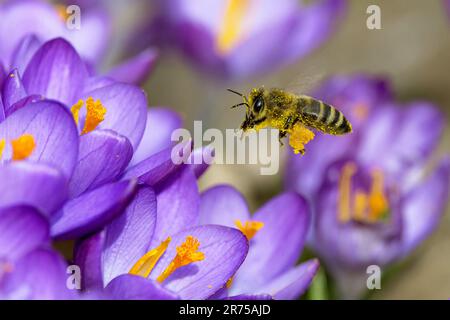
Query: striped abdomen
[{"x": 323, "y": 117}]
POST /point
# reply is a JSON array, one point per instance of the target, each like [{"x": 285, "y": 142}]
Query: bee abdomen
[{"x": 324, "y": 117}]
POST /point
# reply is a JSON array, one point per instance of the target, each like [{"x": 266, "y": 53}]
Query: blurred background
[{"x": 412, "y": 49}]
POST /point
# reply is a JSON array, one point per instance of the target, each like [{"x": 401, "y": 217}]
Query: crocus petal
[
  {"x": 378, "y": 134},
  {"x": 22, "y": 229},
  {"x": 102, "y": 158},
  {"x": 135, "y": 70},
  {"x": 2, "y": 108},
  {"x": 128, "y": 236},
  {"x": 23, "y": 103},
  {"x": 24, "y": 51},
  {"x": 13, "y": 90},
  {"x": 39, "y": 275},
  {"x": 130, "y": 287},
  {"x": 53, "y": 130},
  {"x": 277, "y": 246},
  {"x": 27, "y": 17},
  {"x": 126, "y": 110},
  {"x": 303, "y": 171},
  {"x": 32, "y": 184},
  {"x": 96, "y": 82},
  {"x": 157, "y": 167},
  {"x": 92, "y": 38},
  {"x": 161, "y": 122},
  {"x": 56, "y": 71},
  {"x": 399, "y": 134},
  {"x": 424, "y": 206},
  {"x": 2, "y": 74},
  {"x": 413, "y": 144},
  {"x": 293, "y": 283},
  {"x": 176, "y": 212},
  {"x": 92, "y": 210},
  {"x": 88, "y": 254},
  {"x": 224, "y": 250},
  {"x": 223, "y": 205},
  {"x": 270, "y": 54},
  {"x": 314, "y": 24},
  {"x": 200, "y": 160},
  {"x": 250, "y": 297}
]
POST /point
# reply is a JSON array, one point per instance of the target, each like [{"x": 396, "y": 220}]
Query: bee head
[{"x": 256, "y": 111}]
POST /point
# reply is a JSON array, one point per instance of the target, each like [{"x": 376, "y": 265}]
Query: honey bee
[{"x": 291, "y": 114}]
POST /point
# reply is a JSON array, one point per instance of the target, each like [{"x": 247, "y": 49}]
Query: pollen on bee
[{"x": 299, "y": 137}]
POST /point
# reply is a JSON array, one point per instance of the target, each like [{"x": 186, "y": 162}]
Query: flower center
[
  {"x": 361, "y": 111},
  {"x": 299, "y": 137},
  {"x": 231, "y": 28},
  {"x": 22, "y": 147},
  {"x": 362, "y": 206},
  {"x": 95, "y": 114},
  {"x": 249, "y": 228},
  {"x": 187, "y": 253},
  {"x": 61, "y": 10}
]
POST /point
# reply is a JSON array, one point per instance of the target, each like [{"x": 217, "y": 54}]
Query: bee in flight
[{"x": 291, "y": 114}]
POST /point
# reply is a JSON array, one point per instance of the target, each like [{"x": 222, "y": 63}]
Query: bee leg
[
  {"x": 288, "y": 123},
  {"x": 281, "y": 135}
]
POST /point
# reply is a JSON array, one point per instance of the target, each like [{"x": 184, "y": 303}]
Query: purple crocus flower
[
  {"x": 157, "y": 250},
  {"x": 372, "y": 202},
  {"x": 276, "y": 234},
  {"x": 37, "y": 21},
  {"x": 239, "y": 39},
  {"x": 47, "y": 21},
  {"x": 29, "y": 269},
  {"x": 69, "y": 154}
]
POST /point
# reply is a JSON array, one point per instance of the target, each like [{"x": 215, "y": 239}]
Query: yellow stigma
[
  {"x": 231, "y": 30},
  {"x": 22, "y": 147},
  {"x": 2, "y": 147},
  {"x": 378, "y": 203},
  {"x": 363, "y": 207},
  {"x": 147, "y": 262},
  {"x": 229, "y": 283},
  {"x": 344, "y": 205},
  {"x": 95, "y": 114},
  {"x": 249, "y": 228},
  {"x": 187, "y": 253},
  {"x": 299, "y": 137},
  {"x": 76, "y": 110}
]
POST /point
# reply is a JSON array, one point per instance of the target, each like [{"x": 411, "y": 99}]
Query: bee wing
[{"x": 305, "y": 82}]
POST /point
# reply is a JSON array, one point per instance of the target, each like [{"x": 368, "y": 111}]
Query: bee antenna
[
  {"x": 240, "y": 104},
  {"x": 235, "y": 92}
]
